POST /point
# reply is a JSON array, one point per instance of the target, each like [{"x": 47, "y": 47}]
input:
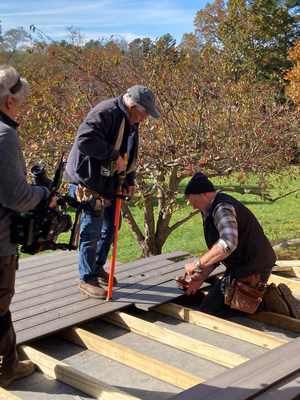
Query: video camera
[{"x": 37, "y": 230}]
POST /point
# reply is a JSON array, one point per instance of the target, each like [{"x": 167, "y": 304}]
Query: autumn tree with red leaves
[{"x": 208, "y": 122}]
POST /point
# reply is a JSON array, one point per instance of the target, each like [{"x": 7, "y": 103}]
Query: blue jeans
[{"x": 96, "y": 237}]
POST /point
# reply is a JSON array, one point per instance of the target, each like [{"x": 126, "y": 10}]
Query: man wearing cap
[
  {"x": 106, "y": 144},
  {"x": 233, "y": 236}
]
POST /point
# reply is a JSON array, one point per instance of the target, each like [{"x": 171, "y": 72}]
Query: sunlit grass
[{"x": 280, "y": 221}]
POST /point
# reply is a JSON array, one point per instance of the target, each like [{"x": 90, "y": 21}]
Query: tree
[
  {"x": 207, "y": 22},
  {"x": 256, "y": 35},
  {"x": 208, "y": 123},
  {"x": 293, "y": 75},
  {"x": 253, "y": 37},
  {"x": 14, "y": 40}
]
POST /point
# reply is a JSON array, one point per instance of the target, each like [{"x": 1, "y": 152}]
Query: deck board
[
  {"x": 46, "y": 298},
  {"x": 252, "y": 378}
]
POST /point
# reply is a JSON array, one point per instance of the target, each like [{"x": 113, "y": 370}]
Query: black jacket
[
  {"x": 254, "y": 253},
  {"x": 94, "y": 148}
]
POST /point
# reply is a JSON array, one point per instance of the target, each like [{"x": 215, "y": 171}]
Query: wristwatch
[{"x": 197, "y": 264}]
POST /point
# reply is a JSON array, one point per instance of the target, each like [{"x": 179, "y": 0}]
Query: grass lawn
[{"x": 280, "y": 221}]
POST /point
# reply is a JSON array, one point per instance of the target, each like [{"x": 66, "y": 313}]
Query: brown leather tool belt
[
  {"x": 244, "y": 294},
  {"x": 84, "y": 194}
]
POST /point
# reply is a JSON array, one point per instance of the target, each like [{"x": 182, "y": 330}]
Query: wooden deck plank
[
  {"x": 45, "y": 306},
  {"x": 50, "y": 301},
  {"x": 68, "y": 272},
  {"x": 288, "y": 389},
  {"x": 250, "y": 378},
  {"x": 56, "y": 282},
  {"x": 89, "y": 308}
]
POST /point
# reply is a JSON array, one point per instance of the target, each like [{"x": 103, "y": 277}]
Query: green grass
[{"x": 280, "y": 221}]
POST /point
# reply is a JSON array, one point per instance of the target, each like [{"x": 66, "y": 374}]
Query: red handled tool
[
  {"x": 182, "y": 283},
  {"x": 120, "y": 196}
]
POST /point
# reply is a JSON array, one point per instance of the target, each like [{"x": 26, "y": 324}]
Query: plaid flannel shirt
[{"x": 226, "y": 223}]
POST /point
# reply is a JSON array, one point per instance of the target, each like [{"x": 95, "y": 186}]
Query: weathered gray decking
[{"x": 47, "y": 300}]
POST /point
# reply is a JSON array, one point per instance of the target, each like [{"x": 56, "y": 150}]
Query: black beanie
[{"x": 199, "y": 184}]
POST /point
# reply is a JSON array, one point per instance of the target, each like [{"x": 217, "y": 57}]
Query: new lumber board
[
  {"x": 220, "y": 325},
  {"x": 293, "y": 284},
  {"x": 175, "y": 339},
  {"x": 74, "y": 377},
  {"x": 6, "y": 395},
  {"x": 288, "y": 263},
  {"x": 281, "y": 321},
  {"x": 131, "y": 358}
]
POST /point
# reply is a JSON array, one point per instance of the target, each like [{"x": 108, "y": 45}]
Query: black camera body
[{"x": 37, "y": 230}]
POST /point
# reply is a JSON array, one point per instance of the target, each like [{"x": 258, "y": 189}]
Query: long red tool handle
[{"x": 113, "y": 256}]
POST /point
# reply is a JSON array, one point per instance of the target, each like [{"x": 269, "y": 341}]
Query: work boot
[
  {"x": 292, "y": 303},
  {"x": 274, "y": 302},
  {"x": 103, "y": 277},
  {"x": 93, "y": 289},
  {"x": 23, "y": 369}
]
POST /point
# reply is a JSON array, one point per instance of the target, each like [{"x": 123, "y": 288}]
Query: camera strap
[{"x": 120, "y": 135}]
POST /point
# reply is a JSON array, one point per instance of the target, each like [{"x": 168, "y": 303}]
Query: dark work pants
[
  {"x": 8, "y": 353},
  {"x": 213, "y": 303}
]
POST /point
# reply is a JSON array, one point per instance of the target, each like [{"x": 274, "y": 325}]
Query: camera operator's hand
[
  {"x": 53, "y": 202},
  {"x": 120, "y": 165}
]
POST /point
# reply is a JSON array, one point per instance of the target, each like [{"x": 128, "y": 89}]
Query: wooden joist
[
  {"x": 132, "y": 358},
  {"x": 6, "y": 395},
  {"x": 47, "y": 301},
  {"x": 175, "y": 339},
  {"x": 221, "y": 325},
  {"x": 288, "y": 267},
  {"x": 294, "y": 285},
  {"x": 282, "y": 321},
  {"x": 74, "y": 377}
]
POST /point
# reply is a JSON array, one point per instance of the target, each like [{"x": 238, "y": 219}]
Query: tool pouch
[
  {"x": 84, "y": 194},
  {"x": 246, "y": 295}
]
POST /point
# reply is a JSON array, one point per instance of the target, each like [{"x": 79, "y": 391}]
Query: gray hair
[
  {"x": 12, "y": 83},
  {"x": 128, "y": 102}
]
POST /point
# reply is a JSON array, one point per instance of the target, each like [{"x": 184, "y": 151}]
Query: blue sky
[{"x": 97, "y": 19}]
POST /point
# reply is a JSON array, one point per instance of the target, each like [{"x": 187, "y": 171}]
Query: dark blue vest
[{"x": 254, "y": 253}]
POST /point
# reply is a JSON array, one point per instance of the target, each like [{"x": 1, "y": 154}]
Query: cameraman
[{"x": 16, "y": 196}]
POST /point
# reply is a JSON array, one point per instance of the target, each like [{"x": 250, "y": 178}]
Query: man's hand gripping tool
[{"x": 182, "y": 283}]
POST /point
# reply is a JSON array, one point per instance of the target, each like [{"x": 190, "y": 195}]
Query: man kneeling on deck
[{"x": 235, "y": 238}]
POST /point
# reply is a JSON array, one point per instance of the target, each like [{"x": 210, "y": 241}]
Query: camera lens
[{"x": 40, "y": 177}]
